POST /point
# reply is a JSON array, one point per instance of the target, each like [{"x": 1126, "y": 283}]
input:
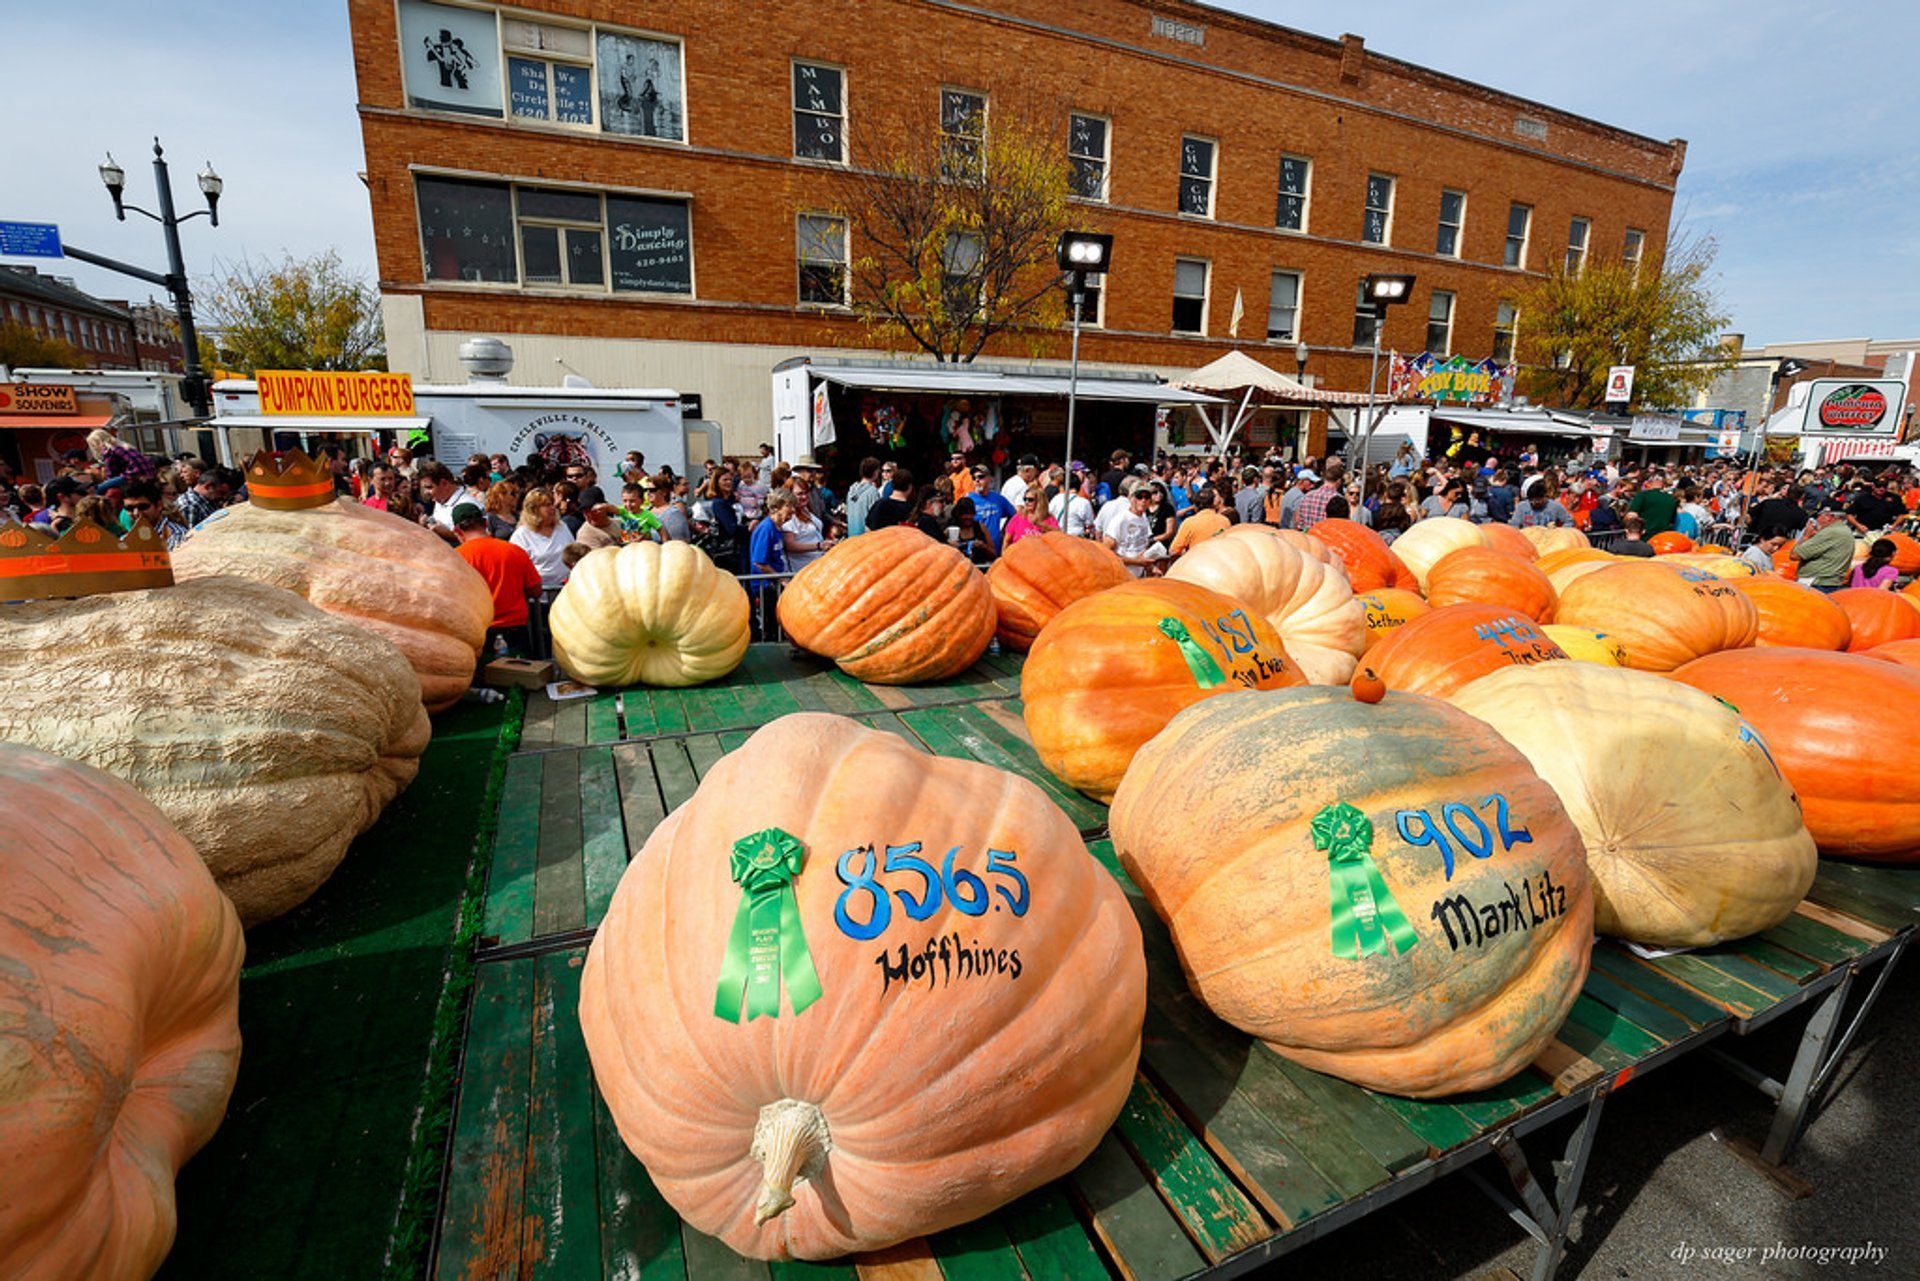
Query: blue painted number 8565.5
[{"x": 965, "y": 890}]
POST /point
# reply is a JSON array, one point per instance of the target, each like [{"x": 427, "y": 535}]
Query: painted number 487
[{"x": 1418, "y": 827}]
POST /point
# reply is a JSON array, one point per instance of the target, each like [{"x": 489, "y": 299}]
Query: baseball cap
[
  {"x": 1029, "y": 460},
  {"x": 1308, "y": 473},
  {"x": 467, "y": 514}
]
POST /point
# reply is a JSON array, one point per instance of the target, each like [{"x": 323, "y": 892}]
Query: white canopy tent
[{"x": 1238, "y": 376}]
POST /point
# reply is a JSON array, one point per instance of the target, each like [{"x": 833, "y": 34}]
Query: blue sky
[{"x": 1802, "y": 121}]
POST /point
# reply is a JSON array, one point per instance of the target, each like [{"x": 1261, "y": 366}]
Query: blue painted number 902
[
  {"x": 1418, "y": 827},
  {"x": 966, "y": 891}
]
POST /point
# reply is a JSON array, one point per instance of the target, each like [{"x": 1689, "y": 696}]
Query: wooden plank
[
  {"x": 1567, "y": 1068},
  {"x": 480, "y": 1222},
  {"x": 1637, "y": 1009},
  {"x": 806, "y": 1270},
  {"x": 1841, "y": 923},
  {"x": 892, "y": 724},
  {"x": 704, "y": 752},
  {"x": 560, "y": 1239},
  {"x": 1003, "y": 727},
  {"x": 669, "y": 710},
  {"x": 1216, "y": 1213},
  {"x": 674, "y": 769},
  {"x": 1815, "y": 941},
  {"x": 1619, "y": 1033},
  {"x": 1614, "y": 961},
  {"x": 709, "y": 1259},
  {"x": 977, "y": 1251},
  {"x": 713, "y": 707},
  {"x": 560, "y": 894},
  {"x": 1729, "y": 979},
  {"x": 1780, "y": 960},
  {"x": 603, "y": 833},
  {"x": 1140, "y": 1233},
  {"x": 734, "y": 739},
  {"x": 949, "y": 731},
  {"x": 804, "y": 688},
  {"x": 636, "y": 714},
  {"x": 1853, "y": 891},
  {"x": 1355, "y": 1112},
  {"x": 639, "y": 1231},
  {"x": 516, "y": 852},
  {"x": 908, "y": 1261},
  {"x": 1051, "y": 1242},
  {"x": 536, "y": 730},
  {"x": 570, "y": 723},
  {"x": 1435, "y": 1121},
  {"x": 603, "y": 717},
  {"x": 1498, "y": 1104},
  {"x": 641, "y": 808}
]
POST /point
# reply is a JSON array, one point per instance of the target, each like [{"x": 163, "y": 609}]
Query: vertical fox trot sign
[{"x": 1855, "y": 407}]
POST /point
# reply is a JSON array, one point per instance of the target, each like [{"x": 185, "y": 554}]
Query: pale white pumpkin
[
  {"x": 649, "y": 614},
  {"x": 1430, "y": 539},
  {"x": 1308, "y": 600}
]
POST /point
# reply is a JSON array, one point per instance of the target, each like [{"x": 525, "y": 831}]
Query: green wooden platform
[{"x": 1226, "y": 1155}]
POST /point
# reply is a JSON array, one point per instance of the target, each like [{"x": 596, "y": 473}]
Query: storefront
[{"x": 42, "y": 422}]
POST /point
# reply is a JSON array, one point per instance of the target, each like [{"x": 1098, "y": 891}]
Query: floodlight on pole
[
  {"x": 1078, "y": 253},
  {"x": 1380, "y": 291}
]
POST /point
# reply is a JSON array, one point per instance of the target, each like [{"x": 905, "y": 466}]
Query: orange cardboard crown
[
  {"x": 288, "y": 481},
  {"x": 85, "y": 561}
]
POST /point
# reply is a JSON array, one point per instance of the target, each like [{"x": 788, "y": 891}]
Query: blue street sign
[{"x": 30, "y": 240}]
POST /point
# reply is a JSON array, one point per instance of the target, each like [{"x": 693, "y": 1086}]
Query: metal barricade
[{"x": 763, "y": 603}]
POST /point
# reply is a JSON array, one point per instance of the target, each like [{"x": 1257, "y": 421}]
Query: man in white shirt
[
  {"x": 1130, "y": 533},
  {"x": 1072, "y": 509},
  {"x": 1114, "y": 508},
  {"x": 1015, "y": 488}
]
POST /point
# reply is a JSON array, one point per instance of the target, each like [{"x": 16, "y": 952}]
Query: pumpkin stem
[{"x": 791, "y": 1143}]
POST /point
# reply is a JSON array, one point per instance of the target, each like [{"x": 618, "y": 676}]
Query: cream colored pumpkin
[
  {"x": 649, "y": 614},
  {"x": 270, "y": 732},
  {"x": 1306, "y": 599},
  {"x": 1554, "y": 538},
  {"x": 388, "y": 575},
  {"x": 1430, "y": 539},
  {"x": 1714, "y": 563},
  {"x": 1692, "y": 834}
]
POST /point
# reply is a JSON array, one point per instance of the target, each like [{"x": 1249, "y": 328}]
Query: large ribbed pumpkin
[
  {"x": 1430, "y": 539},
  {"x": 1584, "y": 646},
  {"x": 1792, "y": 615},
  {"x": 1784, "y": 564},
  {"x": 1371, "y": 564},
  {"x": 1110, "y": 671},
  {"x": 649, "y": 614},
  {"x": 1323, "y": 903},
  {"x": 1388, "y": 610},
  {"x": 388, "y": 575},
  {"x": 964, "y": 1027},
  {"x": 1307, "y": 600},
  {"x": 1876, "y": 617},
  {"x": 1570, "y": 564},
  {"x": 1906, "y": 552},
  {"x": 1841, "y": 729},
  {"x": 1443, "y": 649},
  {"x": 1041, "y": 575},
  {"x": 891, "y": 607},
  {"x": 1555, "y": 538},
  {"x": 119, "y": 1020},
  {"x": 1693, "y": 836},
  {"x": 270, "y": 732},
  {"x": 1718, "y": 564},
  {"x": 1505, "y": 538},
  {"x": 1484, "y": 576},
  {"x": 1665, "y": 617},
  {"x": 1904, "y": 652},
  {"x": 1670, "y": 542}
]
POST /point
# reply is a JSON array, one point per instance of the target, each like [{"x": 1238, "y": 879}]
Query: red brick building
[
  {"x": 101, "y": 333},
  {"x": 631, "y": 193}
]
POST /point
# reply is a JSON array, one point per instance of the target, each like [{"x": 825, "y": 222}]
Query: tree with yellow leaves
[{"x": 297, "y": 313}]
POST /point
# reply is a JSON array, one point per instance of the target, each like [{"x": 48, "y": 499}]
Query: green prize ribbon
[
  {"x": 1206, "y": 671},
  {"x": 1365, "y": 914},
  {"x": 767, "y": 941}
]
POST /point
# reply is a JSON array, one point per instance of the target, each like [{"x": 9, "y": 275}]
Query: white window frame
[
  {"x": 946, "y": 138},
  {"x": 1433, "y": 301},
  {"x": 560, "y": 227},
  {"x": 1206, "y": 292},
  {"x": 1459, "y": 225},
  {"x": 1305, "y": 195},
  {"x": 1096, "y": 316},
  {"x": 588, "y": 61},
  {"x": 840, "y": 134},
  {"x": 800, "y": 261},
  {"x": 1505, "y": 311},
  {"x": 1518, "y": 261},
  {"x": 1577, "y": 254},
  {"x": 1105, "y": 157},
  {"x": 1362, "y": 305},
  {"x": 1636, "y": 240},
  {"x": 1299, "y": 291},
  {"x": 1386, "y": 221}
]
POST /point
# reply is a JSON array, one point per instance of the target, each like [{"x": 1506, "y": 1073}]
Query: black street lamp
[
  {"x": 195, "y": 385},
  {"x": 1079, "y": 253},
  {"x": 1380, "y": 292}
]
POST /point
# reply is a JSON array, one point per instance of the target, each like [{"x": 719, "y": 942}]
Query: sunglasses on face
[{"x": 137, "y": 507}]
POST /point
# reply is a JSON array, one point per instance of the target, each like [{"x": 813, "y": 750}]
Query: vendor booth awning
[
  {"x": 290, "y": 422},
  {"x": 56, "y": 422},
  {"x": 1236, "y": 373},
  {"x": 968, "y": 381},
  {"x": 1531, "y": 422}
]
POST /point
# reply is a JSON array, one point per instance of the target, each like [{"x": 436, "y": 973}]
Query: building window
[
  {"x": 1189, "y": 295},
  {"x": 1519, "y": 221},
  {"x": 823, "y": 260},
  {"x": 1440, "y": 323},
  {"x": 1577, "y": 245},
  {"x": 1453, "y": 212},
  {"x": 549, "y": 72},
  {"x": 1506, "y": 321},
  {"x": 1379, "y": 221},
  {"x": 1087, "y": 156},
  {"x": 1295, "y": 173},
  {"x": 452, "y": 57},
  {"x": 963, "y": 126},
  {"x": 1196, "y": 176},
  {"x": 1630, "y": 250},
  {"x": 496, "y": 233},
  {"x": 560, "y": 238},
  {"x": 1366, "y": 317},
  {"x": 1283, "y": 306},
  {"x": 819, "y": 112},
  {"x": 960, "y": 270},
  {"x": 642, "y": 91}
]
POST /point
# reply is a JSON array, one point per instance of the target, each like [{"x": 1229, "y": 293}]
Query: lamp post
[
  {"x": 1788, "y": 368},
  {"x": 1078, "y": 253},
  {"x": 194, "y": 386},
  {"x": 1380, "y": 292}
]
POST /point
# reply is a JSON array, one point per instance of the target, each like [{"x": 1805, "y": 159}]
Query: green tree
[
  {"x": 297, "y": 313},
  {"x": 1664, "y": 319},
  {"x": 22, "y": 348}
]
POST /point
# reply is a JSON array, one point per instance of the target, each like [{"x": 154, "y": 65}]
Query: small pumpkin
[
  {"x": 1670, "y": 541},
  {"x": 1328, "y": 910},
  {"x": 1555, "y": 538},
  {"x": 1584, "y": 646},
  {"x": 1570, "y": 564},
  {"x": 1307, "y": 600},
  {"x": 1692, "y": 835},
  {"x": 1484, "y": 576},
  {"x": 649, "y": 614},
  {"x": 1111, "y": 670},
  {"x": 1444, "y": 649},
  {"x": 958, "y": 941},
  {"x": 1877, "y": 617},
  {"x": 1041, "y": 575},
  {"x": 1430, "y": 539},
  {"x": 1505, "y": 538},
  {"x": 1370, "y": 562},
  {"x": 1794, "y": 616},
  {"x": 1904, "y": 652},
  {"x": 1388, "y": 610},
  {"x": 891, "y": 607},
  {"x": 119, "y": 1020},
  {"x": 1367, "y": 685},
  {"x": 1665, "y": 617}
]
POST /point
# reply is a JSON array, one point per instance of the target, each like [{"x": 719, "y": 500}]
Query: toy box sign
[
  {"x": 1450, "y": 379},
  {"x": 1854, "y": 407}
]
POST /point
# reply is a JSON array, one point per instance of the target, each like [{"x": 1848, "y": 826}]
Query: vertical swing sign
[
  {"x": 1619, "y": 384},
  {"x": 767, "y": 945}
]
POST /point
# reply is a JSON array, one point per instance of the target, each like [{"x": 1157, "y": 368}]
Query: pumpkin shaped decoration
[
  {"x": 1041, "y": 575},
  {"x": 1665, "y": 617},
  {"x": 1444, "y": 649},
  {"x": 373, "y": 569},
  {"x": 1876, "y": 617},
  {"x": 1483, "y": 576},
  {"x": 1571, "y": 564},
  {"x": 649, "y": 614},
  {"x": 1505, "y": 538},
  {"x": 269, "y": 732},
  {"x": 1555, "y": 538},
  {"x": 1669, "y": 541},
  {"x": 120, "y": 983},
  {"x": 1369, "y": 562},
  {"x": 1840, "y": 726},
  {"x": 1692, "y": 835},
  {"x": 1428, "y": 540},
  {"x": 1583, "y": 646},
  {"x": 1904, "y": 652},
  {"x": 899, "y": 921},
  {"x": 1308, "y": 601},
  {"x": 1392, "y": 896},
  {"x": 1388, "y": 610},
  {"x": 1111, "y": 670},
  {"x": 1794, "y": 616},
  {"x": 891, "y": 607}
]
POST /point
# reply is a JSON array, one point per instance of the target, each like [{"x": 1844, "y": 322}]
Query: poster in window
[
  {"x": 649, "y": 245},
  {"x": 466, "y": 230},
  {"x": 640, "y": 87},
  {"x": 452, "y": 57}
]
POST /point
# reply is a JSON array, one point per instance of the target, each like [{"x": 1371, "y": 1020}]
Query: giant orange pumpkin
[
  {"x": 1505, "y": 538},
  {"x": 1384, "y": 891},
  {"x": 1904, "y": 652},
  {"x": 1483, "y": 576},
  {"x": 1370, "y": 563},
  {"x": 1665, "y": 617},
  {"x": 1841, "y": 729},
  {"x": 850, "y": 994},
  {"x": 1877, "y": 617},
  {"x": 119, "y": 1020},
  {"x": 1443, "y": 649},
  {"x": 1388, "y": 610},
  {"x": 1307, "y": 600},
  {"x": 1906, "y": 552},
  {"x": 891, "y": 607},
  {"x": 1041, "y": 575},
  {"x": 1430, "y": 539},
  {"x": 1570, "y": 564},
  {"x": 1555, "y": 538},
  {"x": 1794, "y": 616},
  {"x": 1784, "y": 564},
  {"x": 1111, "y": 670},
  {"x": 1670, "y": 541}
]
